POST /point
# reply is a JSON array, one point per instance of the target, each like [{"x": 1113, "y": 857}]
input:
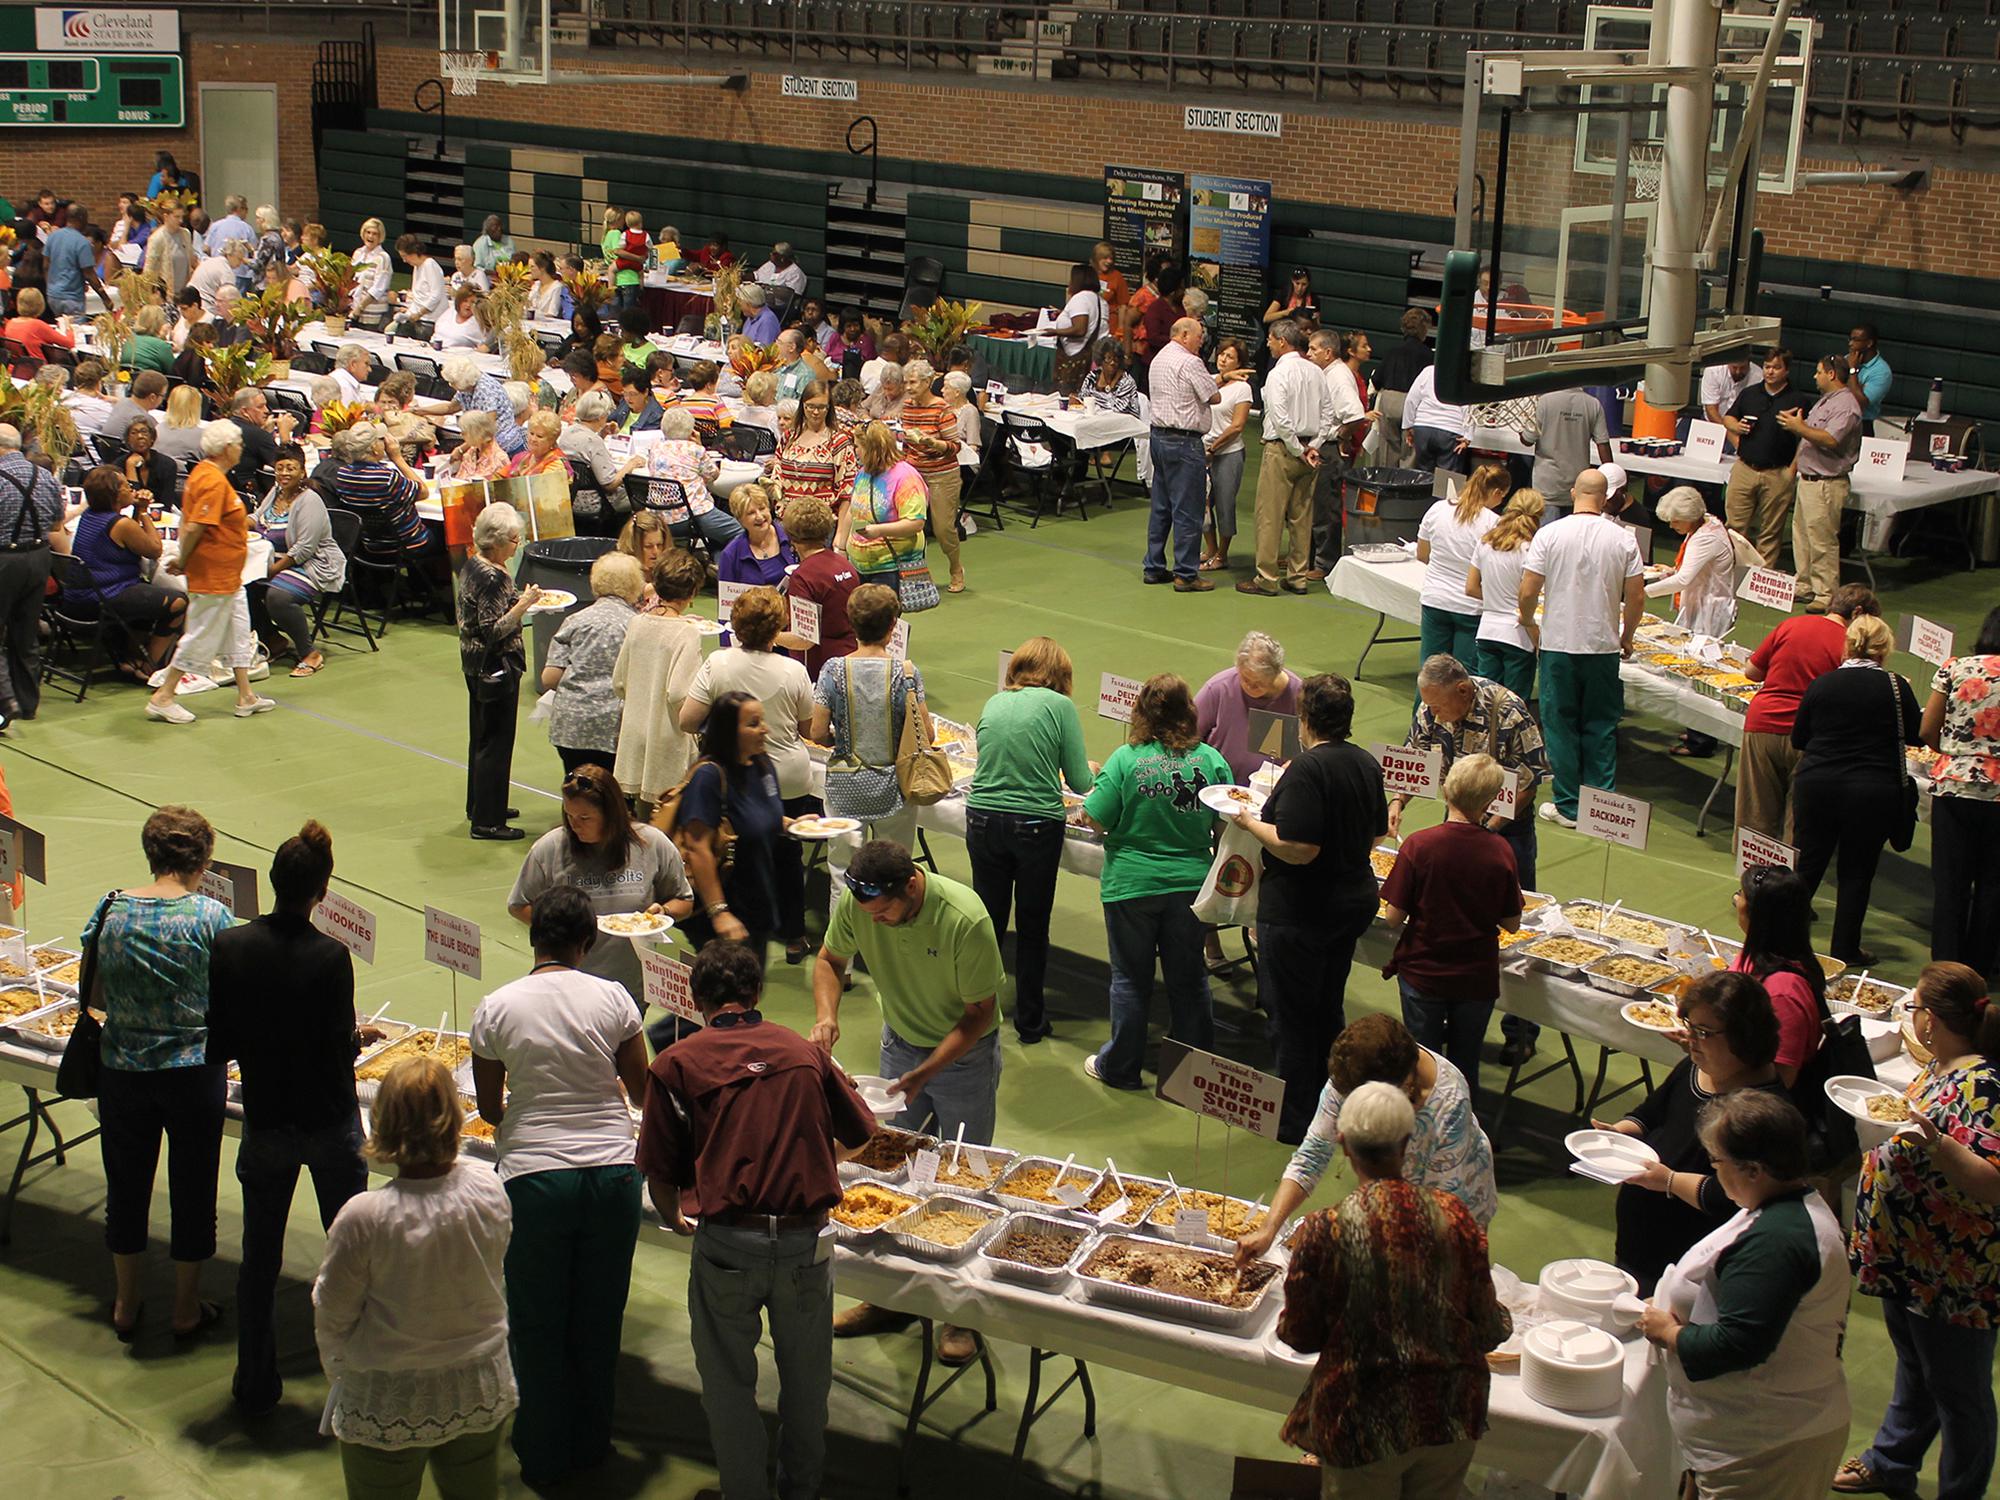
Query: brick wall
[
  {"x": 97, "y": 165},
  {"x": 1407, "y": 164}
]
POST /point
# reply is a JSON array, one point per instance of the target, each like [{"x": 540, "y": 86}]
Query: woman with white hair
[
  {"x": 490, "y": 653},
  {"x": 1391, "y": 1288},
  {"x": 584, "y": 715},
  {"x": 372, "y": 270},
  {"x": 582, "y": 443},
  {"x": 1258, "y": 683},
  {"x": 465, "y": 272},
  {"x": 679, "y": 459},
  {"x": 374, "y": 480},
  {"x": 479, "y": 391},
  {"x": 886, "y": 401},
  {"x": 760, "y": 402},
  {"x": 930, "y": 443},
  {"x": 214, "y": 546},
  {"x": 477, "y": 455},
  {"x": 760, "y": 324},
  {"x": 1702, "y": 583},
  {"x": 542, "y": 455}
]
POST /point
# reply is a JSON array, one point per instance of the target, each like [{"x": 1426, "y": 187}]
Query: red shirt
[
  {"x": 1797, "y": 1011},
  {"x": 1458, "y": 882},
  {"x": 1799, "y": 650},
  {"x": 826, "y": 579},
  {"x": 745, "y": 1115}
]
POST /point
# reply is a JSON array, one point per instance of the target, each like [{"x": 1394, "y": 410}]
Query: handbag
[
  {"x": 83, "y": 1058},
  {"x": 1831, "y": 1139},
  {"x": 667, "y": 818},
  {"x": 922, "y": 770},
  {"x": 855, "y": 788},
  {"x": 1903, "y": 823},
  {"x": 916, "y": 590}
]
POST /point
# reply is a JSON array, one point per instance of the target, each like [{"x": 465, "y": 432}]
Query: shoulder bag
[
  {"x": 1903, "y": 822},
  {"x": 1831, "y": 1139},
  {"x": 922, "y": 770},
  {"x": 667, "y": 818},
  {"x": 854, "y": 787},
  {"x": 83, "y": 1059}
]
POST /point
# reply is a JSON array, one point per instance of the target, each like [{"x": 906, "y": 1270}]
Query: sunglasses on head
[
  {"x": 872, "y": 890},
  {"x": 576, "y": 784}
]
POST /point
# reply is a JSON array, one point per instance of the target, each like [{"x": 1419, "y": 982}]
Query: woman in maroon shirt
[
  {"x": 1783, "y": 667},
  {"x": 1456, "y": 887}
]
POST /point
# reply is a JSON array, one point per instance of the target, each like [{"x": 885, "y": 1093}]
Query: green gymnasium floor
[{"x": 372, "y": 747}]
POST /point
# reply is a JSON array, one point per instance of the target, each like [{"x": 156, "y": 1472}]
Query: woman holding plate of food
[{"x": 621, "y": 865}]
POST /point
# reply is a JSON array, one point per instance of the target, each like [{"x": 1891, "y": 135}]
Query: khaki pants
[
  {"x": 1800, "y": 1470},
  {"x": 1421, "y": 1474},
  {"x": 1395, "y": 452},
  {"x": 1757, "y": 503},
  {"x": 1284, "y": 504},
  {"x": 944, "y": 513},
  {"x": 1764, "y": 784},
  {"x": 1816, "y": 537}
]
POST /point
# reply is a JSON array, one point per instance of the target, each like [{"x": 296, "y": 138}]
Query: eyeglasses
[
  {"x": 872, "y": 890},
  {"x": 1704, "y": 1033}
]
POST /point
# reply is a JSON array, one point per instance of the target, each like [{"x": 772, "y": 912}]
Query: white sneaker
[
  {"x": 194, "y": 682},
  {"x": 1550, "y": 813},
  {"x": 171, "y": 713},
  {"x": 254, "y": 706},
  {"x": 157, "y": 678}
]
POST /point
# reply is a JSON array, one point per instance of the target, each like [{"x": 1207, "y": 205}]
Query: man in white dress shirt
[
  {"x": 1298, "y": 415},
  {"x": 1595, "y": 582},
  {"x": 1328, "y": 350},
  {"x": 351, "y": 364},
  {"x": 782, "y": 270}
]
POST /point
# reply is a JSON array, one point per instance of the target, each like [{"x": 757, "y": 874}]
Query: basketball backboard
[
  {"x": 497, "y": 41},
  {"x": 1609, "y": 196}
]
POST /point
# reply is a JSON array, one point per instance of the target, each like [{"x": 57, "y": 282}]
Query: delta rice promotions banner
[
  {"x": 1229, "y": 250},
  {"x": 1143, "y": 213}
]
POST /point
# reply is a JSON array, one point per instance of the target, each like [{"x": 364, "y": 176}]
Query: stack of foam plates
[
  {"x": 1573, "y": 1367},
  {"x": 1584, "y": 1291}
]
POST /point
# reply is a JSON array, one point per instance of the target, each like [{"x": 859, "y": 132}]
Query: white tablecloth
[
  {"x": 1394, "y": 589},
  {"x": 1620, "y": 1456},
  {"x": 1083, "y": 425},
  {"x": 256, "y": 563},
  {"x": 1920, "y": 487}
]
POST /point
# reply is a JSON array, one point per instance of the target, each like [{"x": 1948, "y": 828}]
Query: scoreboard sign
[{"x": 91, "y": 66}]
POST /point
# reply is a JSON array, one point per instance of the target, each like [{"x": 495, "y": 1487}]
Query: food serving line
[{"x": 1393, "y": 588}]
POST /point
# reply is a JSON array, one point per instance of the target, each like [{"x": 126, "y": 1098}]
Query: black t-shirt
[
  {"x": 281, "y": 1003},
  {"x": 1330, "y": 796},
  {"x": 1767, "y": 445},
  {"x": 1845, "y": 728}
]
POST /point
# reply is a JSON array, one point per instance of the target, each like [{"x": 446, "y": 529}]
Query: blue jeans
[
  {"x": 737, "y": 1277},
  {"x": 1135, "y": 930},
  {"x": 1437, "y": 449},
  {"x": 1015, "y": 860},
  {"x": 1944, "y": 1383},
  {"x": 267, "y": 1164},
  {"x": 963, "y": 1094},
  {"x": 1454, "y": 1027},
  {"x": 1180, "y": 492},
  {"x": 57, "y": 306}
]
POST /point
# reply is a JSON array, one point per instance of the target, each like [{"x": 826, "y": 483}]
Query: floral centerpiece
[
  {"x": 37, "y": 412},
  {"x": 273, "y": 323},
  {"x": 338, "y": 280},
  {"x": 941, "y": 328},
  {"x": 588, "y": 288},
  {"x": 232, "y": 367},
  {"x": 338, "y": 416}
]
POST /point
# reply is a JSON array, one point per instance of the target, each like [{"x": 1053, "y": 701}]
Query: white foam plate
[
  {"x": 552, "y": 599},
  {"x": 1217, "y": 799},
  {"x": 704, "y": 625},
  {"x": 819, "y": 830},
  {"x": 1632, "y": 1018},
  {"x": 1851, "y": 1092},
  {"x": 659, "y": 924},
  {"x": 1608, "y": 1155},
  {"x": 874, "y": 1091}
]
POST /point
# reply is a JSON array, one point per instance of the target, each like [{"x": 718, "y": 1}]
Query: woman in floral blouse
[
  {"x": 1962, "y": 723},
  {"x": 1393, "y": 1292},
  {"x": 1925, "y": 1230},
  {"x": 1449, "y": 1151}
]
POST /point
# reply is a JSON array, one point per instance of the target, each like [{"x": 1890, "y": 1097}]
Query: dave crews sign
[
  {"x": 1234, "y": 121},
  {"x": 1236, "y": 1095}
]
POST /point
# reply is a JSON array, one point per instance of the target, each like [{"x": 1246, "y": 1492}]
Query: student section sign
[{"x": 1229, "y": 249}]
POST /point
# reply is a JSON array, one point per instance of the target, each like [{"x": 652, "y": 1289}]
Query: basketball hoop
[
  {"x": 461, "y": 70},
  {"x": 1646, "y": 165},
  {"x": 1513, "y": 415}
]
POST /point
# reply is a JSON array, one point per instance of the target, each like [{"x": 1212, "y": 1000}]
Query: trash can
[
  {"x": 1986, "y": 529},
  {"x": 1384, "y": 505},
  {"x": 559, "y": 563}
]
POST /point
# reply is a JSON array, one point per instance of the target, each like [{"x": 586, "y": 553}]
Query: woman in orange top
[
  {"x": 214, "y": 546},
  {"x": 930, "y": 443},
  {"x": 541, "y": 456},
  {"x": 1111, "y": 284}
]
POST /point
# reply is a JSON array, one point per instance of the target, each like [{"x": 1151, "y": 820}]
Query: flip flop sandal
[
  {"x": 211, "y": 1314},
  {"x": 305, "y": 670}
]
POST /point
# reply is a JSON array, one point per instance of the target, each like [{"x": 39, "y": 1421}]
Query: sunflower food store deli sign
[{"x": 1234, "y": 121}]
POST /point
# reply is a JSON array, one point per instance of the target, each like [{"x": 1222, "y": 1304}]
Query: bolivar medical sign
[{"x": 91, "y": 29}]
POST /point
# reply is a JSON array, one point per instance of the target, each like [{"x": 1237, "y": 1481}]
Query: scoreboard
[
  {"x": 91, "y": 66},
  {"x": 55, "y": 89}
]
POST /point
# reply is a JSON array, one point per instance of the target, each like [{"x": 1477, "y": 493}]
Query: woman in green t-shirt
[
  {"x": 1030, "y": 744},
  {"x": 1157, "y": 834}
]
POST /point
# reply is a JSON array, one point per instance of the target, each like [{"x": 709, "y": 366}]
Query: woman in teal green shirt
[
  {"x": 1030, "y": 743},
  {"x": 1147, "y": 801}
]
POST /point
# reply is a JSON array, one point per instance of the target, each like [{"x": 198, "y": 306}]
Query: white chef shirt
[
  {"x": 1500, "y": 595},
  {"x": 1720, "y": 389},
  {"x": 1585, "y": 561},
  {"x": 1705, "y": 580},
  {"x": 1422, "y": 408},
  {"x": 1452, "y": 542}
]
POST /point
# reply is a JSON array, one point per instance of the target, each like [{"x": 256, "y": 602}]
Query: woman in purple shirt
[
  {"x": 763, "y": 554},
  {"x": 1223, "y": 706}
]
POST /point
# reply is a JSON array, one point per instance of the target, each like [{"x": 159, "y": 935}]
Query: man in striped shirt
[{"x": 1182, "y": 392}]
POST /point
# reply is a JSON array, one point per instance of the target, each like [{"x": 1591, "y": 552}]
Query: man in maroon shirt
[
  {"x": 749, "y": 1120},
  {"x": 823, "y": 578},
  {"x": 1783, "y": 667}
]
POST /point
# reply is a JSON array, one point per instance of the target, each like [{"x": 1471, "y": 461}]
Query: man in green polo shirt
[{"x": 936, "y": 964}]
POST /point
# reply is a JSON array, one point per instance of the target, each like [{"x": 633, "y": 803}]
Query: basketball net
[
  {"x": 1647, "y": 162},
  {"x": 461, "y": 70},
  {"x": 1514, "y": 415}
]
